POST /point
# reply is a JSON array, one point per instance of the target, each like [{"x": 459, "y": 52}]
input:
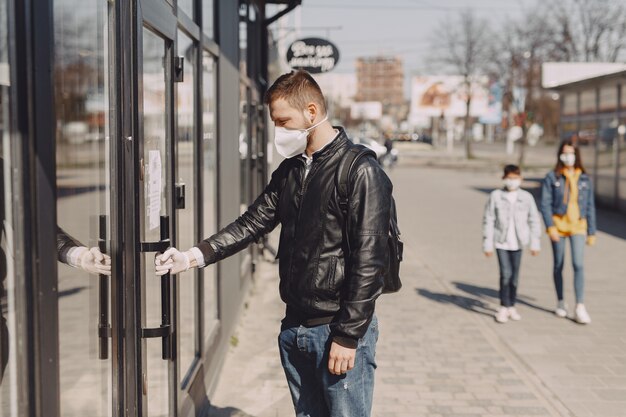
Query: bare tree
[
  {"x": 589, "y": 30},
  {"x": 462, "y": 46},
  {"x": 517, "y": 52}
]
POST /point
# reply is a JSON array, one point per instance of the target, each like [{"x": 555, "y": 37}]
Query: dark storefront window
[
  {"x": 82, "y": 100},
  {"x": 244, "y": 147},
  {"x": 622, "y": 152},
  {"x": 186, "y": 217},
  {"x": 607, "y": 159},
  {"x": 209, "y": 181},
  {"x": 243, "y": 38},
  {"x": 588, "y": 129}
]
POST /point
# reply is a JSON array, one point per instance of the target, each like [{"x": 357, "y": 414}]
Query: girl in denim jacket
[
  {"x": 511, "y": 221},
  {"x": 569, "y": 213}
]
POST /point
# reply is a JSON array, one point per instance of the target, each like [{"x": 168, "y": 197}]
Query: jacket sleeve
[
  {"x": 369, "y": 215},
  {"x": 591, "y": 211},
  {"x": 65, "y": 242},
  {"x": 259, "y": 219},
  {"x": 489, "y": 220},
  {"x": 546, "y": 201},
  {"x": 534, "y": 224}
]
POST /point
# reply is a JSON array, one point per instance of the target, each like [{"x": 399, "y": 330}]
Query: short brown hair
[
  {"x": 298, "y": 88},
  {"x": 511, "y": 169}
]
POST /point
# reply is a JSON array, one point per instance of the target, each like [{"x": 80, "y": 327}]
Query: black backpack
[{"x": 395, "y": 246}]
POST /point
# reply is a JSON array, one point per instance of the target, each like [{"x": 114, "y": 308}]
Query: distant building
[{"x": 381, "y": 79}]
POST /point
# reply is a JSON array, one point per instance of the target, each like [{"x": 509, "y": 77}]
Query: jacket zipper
[
  {"x": 306, "y": 176},
  {"x": 306, "y": 179}
]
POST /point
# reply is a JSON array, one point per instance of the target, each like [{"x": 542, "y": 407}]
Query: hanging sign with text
[{"x": 314, "y": 55}]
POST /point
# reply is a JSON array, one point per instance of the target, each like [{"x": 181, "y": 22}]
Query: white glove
[
  {"x": 92, "y": 260},
  {"x": 172, "y": 261}
]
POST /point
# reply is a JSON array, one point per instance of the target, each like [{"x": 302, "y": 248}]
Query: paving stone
[{"x": 440, "y": 353}]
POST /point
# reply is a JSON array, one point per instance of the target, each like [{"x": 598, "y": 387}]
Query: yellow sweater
[{"x": 570, "y": 223}]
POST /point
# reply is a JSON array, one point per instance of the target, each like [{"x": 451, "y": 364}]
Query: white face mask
[
  {"x": 292, "y": 142},
  {"x": 512, "y": 184},
  {"x": 569, "y": 159}
]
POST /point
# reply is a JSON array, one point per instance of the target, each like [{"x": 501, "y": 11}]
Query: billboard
[{"x": 445, "y": 95}]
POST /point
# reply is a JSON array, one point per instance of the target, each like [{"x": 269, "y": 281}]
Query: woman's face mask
[
  {"x": 512, "y": 184},
  {"x": 569, "y": 159},
  {"x": 292, "y": 142}
]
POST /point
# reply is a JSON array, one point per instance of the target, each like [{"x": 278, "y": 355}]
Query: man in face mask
[{"x": 328, "y": 335}]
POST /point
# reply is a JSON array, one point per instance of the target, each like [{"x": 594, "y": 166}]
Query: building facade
[
  {"x": 592, "y": 111},
  {"x": 131, "y": 126},
  {"x": 380, "y": 79}
]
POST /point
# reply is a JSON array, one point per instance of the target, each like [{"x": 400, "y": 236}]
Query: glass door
[
  {"x": 154, "y": 193},
  {"x": 84, "y": 122}
]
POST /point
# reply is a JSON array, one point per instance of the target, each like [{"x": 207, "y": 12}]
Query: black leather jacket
[
  {"x": 316, "y": 281},
  {"x": 65, "y": 242}
]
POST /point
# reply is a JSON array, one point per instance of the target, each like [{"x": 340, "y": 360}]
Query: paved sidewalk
[{"x": 440, "y": 353}]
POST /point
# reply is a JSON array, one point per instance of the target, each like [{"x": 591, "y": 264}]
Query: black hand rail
[
  {"x": 104, "y": 327},
  {"x": 165, "y": 330}
]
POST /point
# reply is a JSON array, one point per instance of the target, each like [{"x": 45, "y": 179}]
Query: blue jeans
[
  {"x": 315, "y": 391},
  {"x": 577, "y": 243},
  {"x": 509, "y": 261}
]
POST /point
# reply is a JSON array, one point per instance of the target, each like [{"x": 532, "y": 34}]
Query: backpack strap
[{"x": 342, "y": 177}]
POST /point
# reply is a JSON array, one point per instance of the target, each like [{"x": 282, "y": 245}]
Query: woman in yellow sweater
[{"x": 569, "y": 213}]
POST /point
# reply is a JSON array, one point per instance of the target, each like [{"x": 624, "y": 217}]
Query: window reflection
[
  {"x": 186, "y": 218},
  {"x": 209, "y": 185},
  {"x": 155, "y": 195},
  {"x": 81, "y": 84},
  {"x": 187, "y": 6},
  {"x": 244, "y": 147},
  {"x": 207, "y": 17},
  {"x": 8, "y": 335}
]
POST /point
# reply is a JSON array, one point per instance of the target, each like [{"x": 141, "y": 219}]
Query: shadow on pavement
[
  {"x": 481, "y": 300},
  {"x": 493, "y": 293},
  {"x": 226, "y": 412},
  {"x": 71, "y": 291},
  {"x": 467, "y": 303}
]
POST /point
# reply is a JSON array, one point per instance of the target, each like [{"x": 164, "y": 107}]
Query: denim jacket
[
  {"x": 552, "y": 192},
  {"x": 497, "y": 217}
]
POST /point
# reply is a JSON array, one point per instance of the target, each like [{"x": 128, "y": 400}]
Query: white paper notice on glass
[{"x": 154, "y": 189}]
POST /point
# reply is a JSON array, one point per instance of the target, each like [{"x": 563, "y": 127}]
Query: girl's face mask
[
  {"x": 569, "y": 159},
  {"x": 292, "y": 142}
]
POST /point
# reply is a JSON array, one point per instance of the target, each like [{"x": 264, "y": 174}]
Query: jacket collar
[{"x": 335, "y": 145}]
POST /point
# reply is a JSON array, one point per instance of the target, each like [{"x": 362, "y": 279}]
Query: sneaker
[
  {"x": 514, "y": 315},
  {"x": 502, "y": 315},
  {"x": 561, "y": 310},
  {"x": 581, "y": 315}
]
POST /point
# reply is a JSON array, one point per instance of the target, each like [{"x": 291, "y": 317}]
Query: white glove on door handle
[
  {"x": 172, "y": 261},
  {"x": 92, "y": 260}
]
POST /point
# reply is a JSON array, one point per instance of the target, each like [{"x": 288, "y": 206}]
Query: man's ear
[{"x": 313, "y": 111}]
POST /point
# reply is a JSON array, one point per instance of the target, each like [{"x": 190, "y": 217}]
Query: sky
[{"x": 389, "y": 27}]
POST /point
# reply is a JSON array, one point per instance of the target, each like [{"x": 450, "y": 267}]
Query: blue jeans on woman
[
  {"x": 314, "y": 390},
  {"x": 509, "y": 261},
  {"x": 577, "y": 243}
]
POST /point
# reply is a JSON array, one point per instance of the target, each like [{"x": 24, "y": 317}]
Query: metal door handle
[
  {"x": 104, "y": 328},
  {"x": 165, "y": 330}
]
